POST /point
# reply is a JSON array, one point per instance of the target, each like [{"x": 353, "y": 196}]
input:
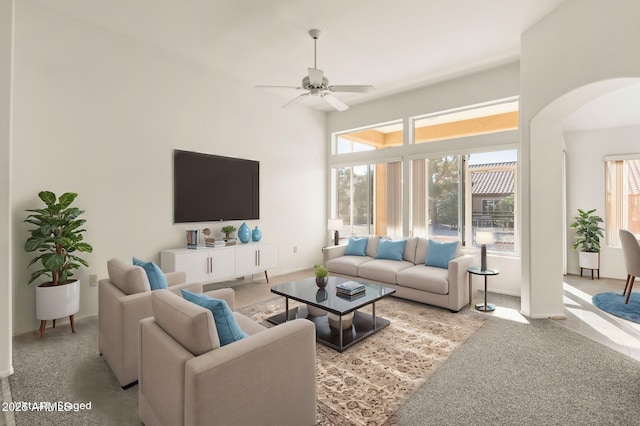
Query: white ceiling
[{"x": 393, "y": 45}]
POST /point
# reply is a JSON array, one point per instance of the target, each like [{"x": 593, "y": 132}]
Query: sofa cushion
[
  {"x": 426, "y": 278},
  {"x": 226, "y": 325},
  {"x": 421, "y": 251},
  {"x": 130, "y": 279},
  {"x": 392, "y": 250},
  {"x": 440, "y": 253},
  {"x": 156, "y": 277},
  {"x": 383, "y": 270},
  {"x": 410, "y": 250},
  {"x": 356, "y": 246},
  {"x": 347, "y": 265},
  {"x": 187, "y": 323},
  {"x": 372, "y": 246}
]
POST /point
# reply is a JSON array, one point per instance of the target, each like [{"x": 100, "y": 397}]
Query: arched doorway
[{"x": 547, "y": 217}]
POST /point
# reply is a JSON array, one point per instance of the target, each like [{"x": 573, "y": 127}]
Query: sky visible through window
[{"x": 493, "y": 157}]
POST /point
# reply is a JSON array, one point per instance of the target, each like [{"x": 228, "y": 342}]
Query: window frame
[{"x": 500, "y": 140}]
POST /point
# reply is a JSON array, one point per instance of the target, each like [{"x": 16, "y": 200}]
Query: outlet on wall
[
  {"x": 295, "y": 249},
  {"x": 93, "y": 280}
]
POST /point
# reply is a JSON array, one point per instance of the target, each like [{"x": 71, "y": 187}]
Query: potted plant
[
  {"x": 58, "y": 239},
  {"x": 228, "y": 230},
  {"x": 589, "y": 233},
  {"x": 321, "y": 274}
]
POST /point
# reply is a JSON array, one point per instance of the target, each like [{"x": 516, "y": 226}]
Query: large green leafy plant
[
  {"x": 588, "y": 231},
  {"x": 57, "y": 237}
]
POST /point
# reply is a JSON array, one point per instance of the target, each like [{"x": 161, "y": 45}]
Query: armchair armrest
[
  {"x": 194, "y": 287},
  {"x": 332, "y": 252},
  {"x": 278, "y": 362},
  {"x": 118, "y": 316},
  {"x": 177, "y": 277}
]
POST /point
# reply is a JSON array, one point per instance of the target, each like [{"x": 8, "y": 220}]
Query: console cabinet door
[
  {"x": 223, "y": 263},
  {"x": 256, "y": 258},
  {"x": 268, "y": 256},
  {"x": 194, "y": 262}
]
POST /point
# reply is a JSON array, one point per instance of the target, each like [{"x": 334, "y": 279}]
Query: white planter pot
[
  {"x": 589, "y": 260},
  {"x": 57, "y": 301}
]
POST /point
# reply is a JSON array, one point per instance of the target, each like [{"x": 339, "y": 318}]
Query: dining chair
[{"x": 631, "y": 251}]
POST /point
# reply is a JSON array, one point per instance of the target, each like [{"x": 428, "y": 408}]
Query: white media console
[{"x": 209, "y": 264}]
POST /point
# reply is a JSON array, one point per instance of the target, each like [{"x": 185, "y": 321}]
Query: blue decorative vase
[
  {"x": 244, "y": 233},
  {"x": 256, "y": 234}
]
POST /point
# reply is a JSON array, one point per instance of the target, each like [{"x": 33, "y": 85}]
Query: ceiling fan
[{"x": 316, "y": 84}]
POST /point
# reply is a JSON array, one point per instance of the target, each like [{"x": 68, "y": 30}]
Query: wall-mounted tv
[{"x": 214, "y": 188}]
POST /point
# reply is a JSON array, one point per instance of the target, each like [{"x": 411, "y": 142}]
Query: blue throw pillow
[
  {"x": 356, "y": 246},
  {"x": 439, "y": 254},
  {"x": 392, "y": 250},
  {"x": 228, "y": 329},
  {"x": 157, "y": 280}
]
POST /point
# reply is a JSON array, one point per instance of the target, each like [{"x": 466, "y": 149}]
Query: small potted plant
[
  {"x": 589, "y": 233},
  {"x": 58, "y": 239},
  {"x": 321, "y": 274},
  {"x": 227, "y": 231}
]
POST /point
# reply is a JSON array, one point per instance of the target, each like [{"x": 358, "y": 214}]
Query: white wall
[
  {"x": 586, "y": 186},
  {"x": 497, "y": 83},
  {"x": 578, "y": 45},
  {"x": 6, "y": 63},
  {"x": 99, "y": 114}
]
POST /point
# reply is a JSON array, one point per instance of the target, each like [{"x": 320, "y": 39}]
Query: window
[
  {"x": 454, "y": 187},
  {"x": 466, "y": 122},
  {"x": 377, "y": 137},
  {"x": 622, "y": 186},
  {"x": 492, "y": 197},
  {"x": 453, "y": 197},
  {"x": 436, "y": 197},
  {"x": 368, "y": 198}
]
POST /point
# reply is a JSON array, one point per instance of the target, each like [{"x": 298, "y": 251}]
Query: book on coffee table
[
  {"x": 349, "y": 287},
  {"x": 350, "y": 297}
]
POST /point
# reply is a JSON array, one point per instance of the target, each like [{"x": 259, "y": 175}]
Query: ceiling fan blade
[
  {"x": 278, "y": 87},
  {"x": 315, "y": 76},
  {"x": 352, "y": 88},
  {"x": 295, "y": 100},
  {"x": 335, "y": 102}
]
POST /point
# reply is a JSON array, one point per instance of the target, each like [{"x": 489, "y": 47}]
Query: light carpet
[{"x": 365, "y": 384}]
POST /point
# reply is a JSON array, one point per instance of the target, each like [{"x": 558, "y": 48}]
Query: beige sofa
[
  {"x": 410, "y": 277},
  {"x": 186, "y": 378},
  {"x": 124, "y": 299}
]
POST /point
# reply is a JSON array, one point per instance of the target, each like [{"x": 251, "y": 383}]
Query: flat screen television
[{"x": 214, "y": 188}]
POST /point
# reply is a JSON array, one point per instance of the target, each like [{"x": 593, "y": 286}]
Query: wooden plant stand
[{"x": 43, "y": 325}]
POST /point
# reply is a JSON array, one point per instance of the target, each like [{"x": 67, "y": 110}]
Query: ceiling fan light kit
[{"x": 316, "y": 84}]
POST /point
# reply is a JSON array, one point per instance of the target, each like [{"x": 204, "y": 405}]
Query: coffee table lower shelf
[{"x": 362, "y": 327}]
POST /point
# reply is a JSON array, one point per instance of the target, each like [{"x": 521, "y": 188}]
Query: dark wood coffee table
[{"x": 306, "y": 291}]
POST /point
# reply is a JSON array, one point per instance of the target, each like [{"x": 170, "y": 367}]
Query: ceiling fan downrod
[{"x": 314, "y": 35}]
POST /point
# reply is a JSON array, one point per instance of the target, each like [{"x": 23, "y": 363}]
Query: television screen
[{"x": 214, "y": 188}]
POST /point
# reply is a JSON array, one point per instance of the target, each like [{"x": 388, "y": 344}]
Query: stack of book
[{"x": 350, "y": 289}]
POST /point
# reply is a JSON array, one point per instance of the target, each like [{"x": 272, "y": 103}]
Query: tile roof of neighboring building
[
  {"x": 501, "y": 181},
  {"x": 493, "y": 182}
]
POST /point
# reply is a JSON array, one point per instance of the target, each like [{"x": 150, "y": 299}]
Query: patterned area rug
[{"x": 365, "y": 384}]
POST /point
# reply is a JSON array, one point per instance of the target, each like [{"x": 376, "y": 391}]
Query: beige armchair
[
  {"x": 123, "y": 300},
  {"x": 186, "y": 378}
]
